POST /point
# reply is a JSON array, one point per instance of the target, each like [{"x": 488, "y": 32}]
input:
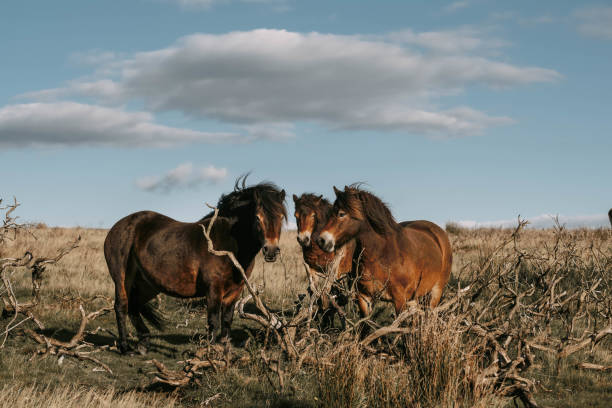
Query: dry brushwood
[
  {"x": 215, "y": 358},
  {"x": 515, "y": 306},
  {"x": 8, "y": 266},
  {"x": 528, "y": 294},
  {"x": 73, "y": 347},
  {"x": 12, "y": 306}
]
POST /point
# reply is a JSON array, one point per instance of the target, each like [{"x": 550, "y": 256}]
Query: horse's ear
[
  {"x": 256, "y": 197},
  {"x": 336, "y": 191},
  {"x": 295, "y": 198},
  {"x": 282, "y": 195},
  {"x": 346, "y": 188},
  {"x": 319, "y": 198}
]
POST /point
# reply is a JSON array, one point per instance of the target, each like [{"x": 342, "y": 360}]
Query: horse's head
[
  {"x": 307, "y": 216},
  {"x": 260, "y": 210},
  {"x": 345, "y": 220},
  {"x": 270, "y": 212},
  {"x": 354, "y": 210}
]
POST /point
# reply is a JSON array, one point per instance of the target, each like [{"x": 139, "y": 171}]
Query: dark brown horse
[
  {"x": 398, "y": 264},
  {"x": 148, "y": 253},
  {"x": 311, "y": 214}
]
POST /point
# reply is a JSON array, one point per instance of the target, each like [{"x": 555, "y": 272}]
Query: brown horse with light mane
[
  {"x": 311, "y": 213},
  {"x": 148, "y": 253},
  {"x": 398, "y": 264}
]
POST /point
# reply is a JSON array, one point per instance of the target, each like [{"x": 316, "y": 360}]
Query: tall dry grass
[{"x": 17, "y": 396}]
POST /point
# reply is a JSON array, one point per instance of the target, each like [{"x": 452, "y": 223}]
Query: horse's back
[
  {"x": 433, "y": 241},
  {"x": 120, "y": 237}
]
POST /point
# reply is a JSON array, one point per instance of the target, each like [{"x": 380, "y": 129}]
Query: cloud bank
[
  {"x": 595, "y": 22},
  {"x": 182, "y": 177},
  {"x": 76, "y": 124},
  {"x": 278, "y": 77},
  {"x": 544, "y": 221},
  {"x": 279, "y": 5}
]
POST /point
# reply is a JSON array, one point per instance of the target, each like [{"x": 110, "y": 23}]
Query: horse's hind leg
[
  {"x": 436, "y": 294},
  {"x": 140, "y": 296},
  {"x": 117, "y": 269},
  {"x": 121, "y": 310}
]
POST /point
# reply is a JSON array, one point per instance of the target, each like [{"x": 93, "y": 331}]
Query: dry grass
[
  {"x": 16, "y": 396},
  {"x": 434, "y": 365}
]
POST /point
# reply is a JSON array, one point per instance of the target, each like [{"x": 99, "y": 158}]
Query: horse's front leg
[
  {"x": 364, "y": 302},
  {"x": 213, "y": 310},
  {"x": 227, "y": 316},
  {"x": 227, "y": 311}
]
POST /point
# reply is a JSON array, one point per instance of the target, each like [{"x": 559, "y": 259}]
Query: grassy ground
[{"x": 26, "y": 380}]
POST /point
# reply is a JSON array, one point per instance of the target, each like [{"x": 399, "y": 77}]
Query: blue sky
[{"x": 473, "y": 111}]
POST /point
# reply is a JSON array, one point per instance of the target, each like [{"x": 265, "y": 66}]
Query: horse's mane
[
  {"x": 320, "y": 205},
  {"x": 267, "y": 194},
  {"x": 359, "y": 201}
]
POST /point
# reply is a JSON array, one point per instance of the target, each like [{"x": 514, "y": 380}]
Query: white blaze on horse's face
[
  {"x": 327, "y": 241},
  {"x": 270, "y": 248},
  {"x": 306, "y": 224}
]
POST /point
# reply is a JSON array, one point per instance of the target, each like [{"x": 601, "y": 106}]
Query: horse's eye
[{"x": 341, "y": 214}]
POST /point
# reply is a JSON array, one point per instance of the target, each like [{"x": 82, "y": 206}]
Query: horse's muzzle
[
  {"x": 326, "y": 242},
  {"x": 270, "y": 252},
  {"x": 304, "y": 240}
]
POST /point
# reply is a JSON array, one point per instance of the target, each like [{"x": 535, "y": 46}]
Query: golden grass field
[{"x": 347, "y": 378}]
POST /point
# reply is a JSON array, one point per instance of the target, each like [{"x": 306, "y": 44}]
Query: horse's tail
[{"x": 153, "y": 315}]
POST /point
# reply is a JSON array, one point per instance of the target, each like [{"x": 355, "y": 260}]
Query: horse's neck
[
  {"x": 247, "y": 244},
  {"x": 372, "y": 243}
]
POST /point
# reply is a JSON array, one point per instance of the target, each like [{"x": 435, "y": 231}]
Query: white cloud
[
  {"x": 73, "y": 124},
  {"x": 93, "y": 57},
  {"x": 595, "y": 22},
  {"x": 270, "y": 131},
  {"x": 181, "y": 177},
  {"x": 279, "y": 5},
  {"x": 544, "y": 221},
  {"x": 458, "y": 41},
  {"x": 277, "y": 77},
  {"x": 105, "y": 90},
  {"x": 457, "y": 5}
]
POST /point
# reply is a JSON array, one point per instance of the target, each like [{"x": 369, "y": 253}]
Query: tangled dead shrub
[{"x": 432, "y": 367}]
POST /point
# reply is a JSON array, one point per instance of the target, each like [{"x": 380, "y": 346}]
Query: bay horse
[
  {"x": 148, "y": 253},
  {"x": 398, "y": 263},
  {"x": 311, "y": 214}
]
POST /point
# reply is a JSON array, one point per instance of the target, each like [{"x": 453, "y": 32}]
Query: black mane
[{"x": 266, "y": 194}]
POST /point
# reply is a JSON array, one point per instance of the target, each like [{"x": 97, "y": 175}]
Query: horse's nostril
[{"x": 267, "y": 250}]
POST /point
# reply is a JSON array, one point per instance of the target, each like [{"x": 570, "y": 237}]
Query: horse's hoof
[
  {"x": 142, "y": 349},
  {"x": 124, "y": 349}
]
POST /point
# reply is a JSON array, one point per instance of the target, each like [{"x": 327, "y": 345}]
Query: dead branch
[
  {"x": 71, "y": 348},
  {"x": 596, "y": 367}
]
